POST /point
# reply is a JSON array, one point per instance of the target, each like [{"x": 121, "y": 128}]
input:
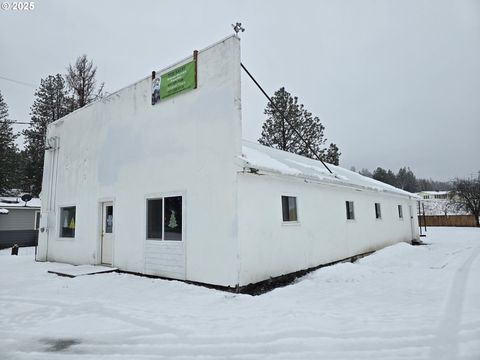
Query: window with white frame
[
  {"x": 350, "y": 210},
  {"x": 400, "y": 212},
  {"x": 67, "y": 222},
  {"x": 378, "y": 211},
  {"x": 164, "y": 218},
  {"x": 289, "y": 208}
]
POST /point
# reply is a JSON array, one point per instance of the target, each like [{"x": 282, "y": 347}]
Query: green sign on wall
[{"x": 173, "y": 82}]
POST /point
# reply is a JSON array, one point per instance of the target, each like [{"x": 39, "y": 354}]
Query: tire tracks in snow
[{"x": 447, "y": 341}]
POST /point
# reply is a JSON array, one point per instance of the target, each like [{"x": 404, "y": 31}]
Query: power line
[
  {"x": 285, "y": 119},
  {"x": 18, "y": 82}
]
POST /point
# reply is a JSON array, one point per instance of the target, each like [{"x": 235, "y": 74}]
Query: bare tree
[
  {"x": 466, "y": 195},
  {"x": 81, "y": 80}
]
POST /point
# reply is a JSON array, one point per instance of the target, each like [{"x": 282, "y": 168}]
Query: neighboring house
[
  {"x": 429, "y": 195},
  {"x": 18, "y": 222},
  {"x": 171, "y": 190},
  {"x": 436, "y": 209}
]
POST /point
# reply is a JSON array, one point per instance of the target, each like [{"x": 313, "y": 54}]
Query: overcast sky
[{"x": 396, "y": 83}]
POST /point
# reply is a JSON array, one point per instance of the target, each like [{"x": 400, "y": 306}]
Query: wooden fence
[{"x": 448, "y": 220}]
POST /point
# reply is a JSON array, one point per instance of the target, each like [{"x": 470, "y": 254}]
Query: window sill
[
  {"x": 160, "y": 241},
  {"x": 290, "y": 223},
  {"x": 60, "y": 238}
]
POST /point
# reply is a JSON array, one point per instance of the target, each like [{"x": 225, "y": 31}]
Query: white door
[
  {"x": 107, "y": 233},
  {"x": 412, "y": 222}
]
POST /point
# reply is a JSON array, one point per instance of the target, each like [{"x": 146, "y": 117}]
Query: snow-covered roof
[
  {"x": 17, "y": 202},
  {"x": 434, "y": 192},
  {"x": 280, "y": 162}
]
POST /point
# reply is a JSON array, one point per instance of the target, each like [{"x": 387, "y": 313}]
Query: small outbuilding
[
  {"x": 156, "y": 179},
  {"x": 19, "y": 221}
]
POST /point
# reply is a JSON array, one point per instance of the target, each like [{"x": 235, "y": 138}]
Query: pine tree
[
  {"x": 406, "y": 180},
  {"x": 51, "y": 103},
  {"x": 8, "y": 151},
  {"x": 365, "y": 172},
  {"x": 388, "y": 177},
  {"x": 81, "y": 80},
  {"x": 277, "y": 133},
  {"x": 332, "y": 156}
]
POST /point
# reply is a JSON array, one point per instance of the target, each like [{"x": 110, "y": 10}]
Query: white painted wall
[
  {"x": 123, "y": 149},
  {"x": 269, "y": 247}
]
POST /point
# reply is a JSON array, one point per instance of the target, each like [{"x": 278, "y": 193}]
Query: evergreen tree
[
  {"x": 277, "y": 133},
  {"x": 8, "y": 151},
  {"x": 81, "y": 80},
  {"x": 332, "y": 156},
  {"x": 51, "y": 103},
  {"x": 365, "y": 172},
  {"x": 388, "y": 177},
  {"x": 406, "y": 180},
  {"x": 380, "y": 174},
  {"x": 391, "y": 178}
]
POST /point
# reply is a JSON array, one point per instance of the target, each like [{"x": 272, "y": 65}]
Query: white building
[
  {"x": 171, "y": 190},
  {"x": 429, "y": 195}
]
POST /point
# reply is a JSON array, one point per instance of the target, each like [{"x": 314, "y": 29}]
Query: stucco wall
[
  {"x": 124, "y": 150},
  {"x": 269, "y": 247}
]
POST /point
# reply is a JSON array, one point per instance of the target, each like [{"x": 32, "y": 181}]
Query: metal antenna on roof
[
  {"x": 285, "y": 119},
  {"x": 237, "y": 28}
]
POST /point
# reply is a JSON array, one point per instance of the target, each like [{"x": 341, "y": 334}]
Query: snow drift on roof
[
  {"x": 284, "y": 163},
  {"x": 434, "y": 192},
  {"x": 17, "y": 202}
]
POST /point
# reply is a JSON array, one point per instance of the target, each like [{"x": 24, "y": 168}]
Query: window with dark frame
[
  {"x": 164, "y": 218},
  {"x": 67, "y": 222},
  {"x": 109, "y": 219},
  {"x": 400, "y": 212},
  {"x": 350, "y": 211},
  {"x": 378, "y": 211},
  {"x": 154, "y": 219},
  {"x": 173, "y": 218},
  {"x": 289, "y": 208}
]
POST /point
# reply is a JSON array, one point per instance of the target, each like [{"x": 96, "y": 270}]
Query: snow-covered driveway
[{"x": 403, "y": 302}]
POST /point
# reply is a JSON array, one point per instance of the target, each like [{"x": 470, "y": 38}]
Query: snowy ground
[{"x": 403, "y": 302}]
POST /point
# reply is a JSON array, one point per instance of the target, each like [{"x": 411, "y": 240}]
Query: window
[
  {"x": 67, "y": 222},
  {"x": 350, "y": 212},
  {"x": 164, "y": 218},
  {"x": 154, "y": 218},
  {"x": 108, "y": 219},
  {"x": 400, "y": 212},
  {"x": 173, "y": 218},
  {"x": 378, "y": 211},
  {"x": 36, "y": 225},
  {"x": 289, "y": 208}
]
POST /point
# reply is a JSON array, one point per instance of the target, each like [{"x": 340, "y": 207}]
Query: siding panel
[
  {"x": 165, "y": 259},
  {"x": 19, "y": 237},
  {"x": 18, "y": 219}
]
